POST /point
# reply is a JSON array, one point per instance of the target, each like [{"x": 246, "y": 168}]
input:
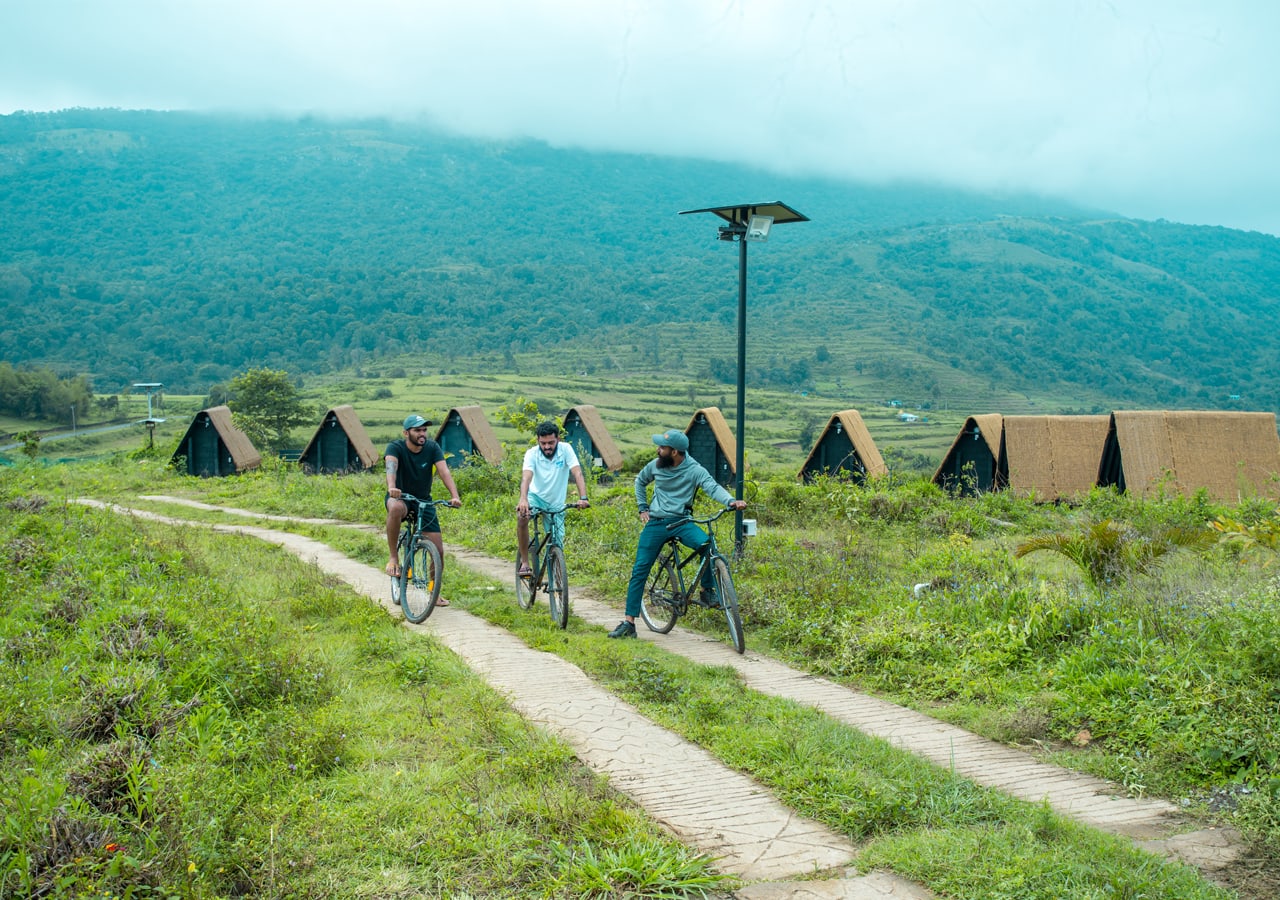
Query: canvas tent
[
  {"x": 971, "y": 465},
  {"x": 1231, "y": 455},
  {"x": 339, "y": 445},
  {"x": 712, "y": 444},
  {"x": 465, "y": 432},
  {"x": 213, "y": 446},
  {"x": 1052, "y": 457},
  {"x": 584, "y": 429},
  {"x": 844, "y": 449}
]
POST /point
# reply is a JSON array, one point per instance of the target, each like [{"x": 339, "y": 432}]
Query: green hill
[{"x": 185, "y": 248}]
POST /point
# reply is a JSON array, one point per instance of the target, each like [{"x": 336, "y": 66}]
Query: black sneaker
[
  {"x": 707, "y": 597},
  {"x": 625, "y": 629}
]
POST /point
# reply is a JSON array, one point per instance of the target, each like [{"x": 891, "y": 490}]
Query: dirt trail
[{"x": 1155, "y": 825}]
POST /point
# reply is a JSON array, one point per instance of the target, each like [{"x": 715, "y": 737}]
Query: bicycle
[
  {"x": 546, "y": 559},
  {"x": 416, "y": 590},
  {"x": 670, "y": 593}
]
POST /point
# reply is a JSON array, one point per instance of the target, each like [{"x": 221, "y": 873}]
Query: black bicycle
[
  {"x": 416, "y": 589},
  {"x": 671, "y": 591},
  {"x": 546, "y": 559}
]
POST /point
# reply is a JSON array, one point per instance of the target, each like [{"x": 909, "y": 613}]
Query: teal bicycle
[{"x": 546, "y": 560}]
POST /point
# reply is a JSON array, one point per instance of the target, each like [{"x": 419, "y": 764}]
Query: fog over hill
[{"x": 184, "y": 248}]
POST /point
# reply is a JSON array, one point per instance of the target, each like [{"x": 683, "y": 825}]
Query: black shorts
[{"x": 430, "y": 521}]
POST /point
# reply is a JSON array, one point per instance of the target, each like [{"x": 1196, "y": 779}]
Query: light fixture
[{"x": 758, "y": 228}]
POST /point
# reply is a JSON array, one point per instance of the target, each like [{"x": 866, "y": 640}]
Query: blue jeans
[{"x": 652, "y": 538}]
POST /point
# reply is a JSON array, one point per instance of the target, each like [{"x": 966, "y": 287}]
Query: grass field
[{"x": 632, "y": 407}]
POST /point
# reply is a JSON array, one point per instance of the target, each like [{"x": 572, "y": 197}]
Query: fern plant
[{"x": 1106, "y": 551}]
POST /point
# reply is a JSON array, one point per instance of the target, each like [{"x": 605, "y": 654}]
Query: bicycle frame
[
  {"x": 541, "y": 534},
  {"x": 706, "y": 556}
]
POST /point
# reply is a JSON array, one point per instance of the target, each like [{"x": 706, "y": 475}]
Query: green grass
[
  {"x": 201, "y": 715},
  {"x": 1167, "y": 678}
]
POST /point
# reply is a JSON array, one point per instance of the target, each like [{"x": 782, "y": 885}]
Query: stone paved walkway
[{"x": 1153, "y": 824}]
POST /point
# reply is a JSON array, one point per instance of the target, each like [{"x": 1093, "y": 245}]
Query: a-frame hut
[
  {"x": 584, "y": 429},
  {"x": 1051, "y": 457},
  {"x": 464, "y": 433},
  {"x": 214, "y": 446},
  {"x": 712, "y": 444},
  {"x": 971, "y": 465},
  {"x": 339, "y": 445},
  {"x": 844, "y": 449},
  {"x": 1230, "y": 455}
]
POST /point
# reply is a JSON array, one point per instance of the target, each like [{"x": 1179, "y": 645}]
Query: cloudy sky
[{"x": 1153, "y": 108}]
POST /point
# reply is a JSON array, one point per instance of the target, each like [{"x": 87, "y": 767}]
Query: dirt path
[{"x": 626, "y": 752}]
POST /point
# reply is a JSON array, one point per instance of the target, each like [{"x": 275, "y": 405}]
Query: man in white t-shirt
[{"x": 543, "y": 483}]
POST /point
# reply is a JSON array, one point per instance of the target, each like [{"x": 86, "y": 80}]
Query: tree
[{"x": 265, "y": 406}]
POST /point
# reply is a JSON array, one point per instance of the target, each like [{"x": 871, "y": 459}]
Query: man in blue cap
[
  {"x": 410, "y": 462},
  {"x": 676, "y": 478}
]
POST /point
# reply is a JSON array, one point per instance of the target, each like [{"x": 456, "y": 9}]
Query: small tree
[
  {"x": 30, "y": 441},
  {"x": 266, "y": 406}
]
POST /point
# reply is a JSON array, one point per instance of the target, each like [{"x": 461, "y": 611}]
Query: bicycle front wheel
[
  {"x": 557, "y": 586},
  {"x": 403, "y": 559},
  {"x": 658, "y": 604},
  {"x": 526, "y": 584},
  {"x": 729, "y": 601},
  {"x": 422, "y": 582}
]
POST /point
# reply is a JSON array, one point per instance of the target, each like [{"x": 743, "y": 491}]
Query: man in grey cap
[
  {"x": 410, "y": 462},
  {"x": 676, "y": 479}
]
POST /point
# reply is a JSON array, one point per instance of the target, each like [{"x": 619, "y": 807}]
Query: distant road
[{"x": 60, "y": 435}]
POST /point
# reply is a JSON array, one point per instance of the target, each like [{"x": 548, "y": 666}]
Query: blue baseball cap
[
  {"x": 415, "y": 421},
  {"x": 673, "y": 438}
]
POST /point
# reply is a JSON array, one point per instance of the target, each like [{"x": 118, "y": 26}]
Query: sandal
[
  {"x": 442, "y": 602},
  {"x": 525, "y": 572},
  {"x": 393, "y": 570}
]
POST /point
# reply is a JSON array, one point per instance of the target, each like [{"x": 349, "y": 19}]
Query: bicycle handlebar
[
  {"x": 409, "y": 498},
  {"x": 676, "y": 523}
]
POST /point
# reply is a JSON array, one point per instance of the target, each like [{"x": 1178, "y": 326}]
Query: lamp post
[{"x": 746, "y": 222}]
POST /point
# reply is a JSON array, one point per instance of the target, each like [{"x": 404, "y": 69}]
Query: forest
[{"x": 184, "y": 248}]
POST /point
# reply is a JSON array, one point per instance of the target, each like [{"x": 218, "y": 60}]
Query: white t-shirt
[{"x": 550, "y": 476}]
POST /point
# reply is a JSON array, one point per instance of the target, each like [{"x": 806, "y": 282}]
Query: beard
[
  {"x": 666, "y": 462},
  {"x": 549, "y": 454}
]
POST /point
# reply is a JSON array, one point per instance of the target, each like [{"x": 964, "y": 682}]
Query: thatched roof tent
[
  {"x": 1052, "y": 457},
  {"x": 214, "y": 446},
  {"x": 845, "y": 449},
  {"x": 340, "y": 444},
  {"x": 1231, "y": 455},
  {"x": 971, "y": 465},
  {"x": 584, "y": 428},
  {"x": 712, "y": 444},
  {"x": 465, "y": 432}
]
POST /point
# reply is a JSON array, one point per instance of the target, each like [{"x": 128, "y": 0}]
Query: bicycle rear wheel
[
  {"x": 659, "y": 604},
  {"x": 729, "y": 601},
  {"x": 526, "y": 585},
  {"x": 557, "y": 586},
  {"x": 422, "y": 582}
]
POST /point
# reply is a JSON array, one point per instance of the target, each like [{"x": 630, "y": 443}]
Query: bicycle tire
[
  {"x": 422, "y": 582},
  {"x": 403, "y": 560},
  {"x": 658, "y": 604},
  {"x": 728, "y": 597},
  {"x": 526, "y": 585},
  {"x": 557, "y": 587}
]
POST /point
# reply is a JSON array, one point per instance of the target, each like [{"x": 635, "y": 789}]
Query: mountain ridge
[{"x": 187, "y": 247}]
